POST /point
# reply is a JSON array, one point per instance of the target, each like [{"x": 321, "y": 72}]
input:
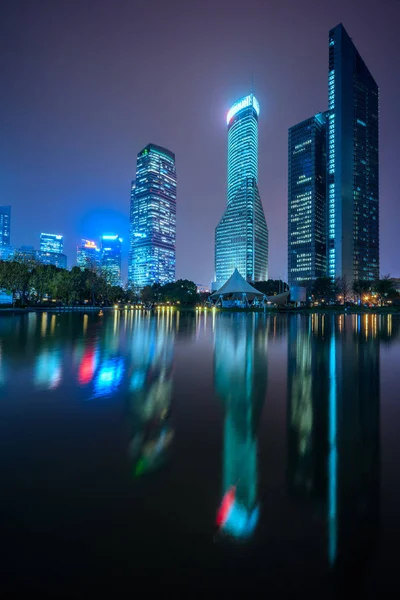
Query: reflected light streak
[
  {"x": 87, "y": 366},
  {"x": 48, "y": 370},
  {"x": 332, "y": 460},
  {"x": 109, "y": 376},
  {"x": 43, "y": 325}
]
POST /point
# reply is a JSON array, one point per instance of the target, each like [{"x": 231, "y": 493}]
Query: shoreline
[{"x": 384, "y": 310}]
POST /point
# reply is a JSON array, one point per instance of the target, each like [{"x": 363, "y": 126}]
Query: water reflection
[
  {"x": 333, "y": 430},
  {"x": 150, "y": 391},
  {"x": 240, "y": 374}
]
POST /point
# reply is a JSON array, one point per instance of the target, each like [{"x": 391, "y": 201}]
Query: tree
[
  {"x": 384, "y": 288},
  {"x": 361, "y": 287},
  {"x": 343, "y": 287},
  {"x": 324, "y": 288}
]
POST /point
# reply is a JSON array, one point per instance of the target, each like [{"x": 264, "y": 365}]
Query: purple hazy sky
[{"x": 86, "y": 84}]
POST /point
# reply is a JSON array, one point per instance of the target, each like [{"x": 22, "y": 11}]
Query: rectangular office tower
[
  {"x": 353, "y": 163},
  {"x": 241, "y": 236},
  {"x": 307, "y": 200},
  {"x": 5, "y": 223},
  {"x": 111, "y": 245},
  {"x": 153, "y": 218}
]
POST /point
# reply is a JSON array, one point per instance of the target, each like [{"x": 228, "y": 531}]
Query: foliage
[
  {"x": 182, "y": 292},
  {"x": 34, "y": 282},
  {"x": 270, "y": 287}
]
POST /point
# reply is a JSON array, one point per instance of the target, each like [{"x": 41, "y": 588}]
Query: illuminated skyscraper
[
  {"x": 5, "y": 224},
  {"x": 88, "y": 256},
  {"x": 353, "y": 163},
  {"x": 111, "y": 258},
  {"x": 51, "y": 250},
  {"x": 153, "y": 218},
  {"x": 307, "y": 200},
  {"x": 50, "y": 242},
  {"x": 241, "y": 237}
]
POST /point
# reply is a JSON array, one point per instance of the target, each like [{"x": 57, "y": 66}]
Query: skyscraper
[
  {"x": 51, "y": 242},
  {"x": 111, "y": 258},
  {"x": 5, "y": 223},
  {"x": 88, "y": 256},
  {"x": 153, "y": 218},
  {"x": 241, "y": 237},
  {"x": 353, "y": 163},
  {"x": 307, "y": 200},
  {"x": 51, "y": 250}
]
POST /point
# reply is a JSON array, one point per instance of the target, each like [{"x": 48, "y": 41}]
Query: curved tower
[{"x": 241, "y": 237}]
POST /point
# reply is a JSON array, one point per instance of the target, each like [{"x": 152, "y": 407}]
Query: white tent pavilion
[{"x": 242, "y": 293}]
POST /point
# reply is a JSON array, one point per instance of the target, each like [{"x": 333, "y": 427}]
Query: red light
[
  {"x": 226, "y": 505},
  {"x": 86, "y": 368}
]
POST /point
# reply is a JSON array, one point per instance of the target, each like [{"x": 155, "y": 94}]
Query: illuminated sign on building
[{"x": 245, "y": 102}]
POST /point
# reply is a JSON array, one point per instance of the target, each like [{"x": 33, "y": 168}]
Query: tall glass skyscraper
[
  {"x": 5, "y": 224},
  {"x": 353, "y": 163},
  {"x": 153, "y": 218},
  {"x": 307, "y": 200},
  {"x": 111, "y": 258},
  {"x": 241, "y": 237}
]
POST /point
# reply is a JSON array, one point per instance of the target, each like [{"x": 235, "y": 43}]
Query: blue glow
[
  {"x": 332, "y": 460},
  {"x": 137, "y": 380},
  {"x": 109, "y": 237},
  {"x": 240, "y": 522},
  {"x": 108, "y": 377},
  {"x": 245, "y": 102}
]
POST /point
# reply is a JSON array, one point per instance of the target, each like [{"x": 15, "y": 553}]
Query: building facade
[
  {"x": 58, "y": 259},
  {"x": 88, "y": 256},
  {"x": 51, "y": 242},
  {"x": 111, "y": 258},
  {"x": 5, "y": 225},
  {"x": 241, "y": 237},
  {"x": 353, "y": 163},
  {"x": 153, "y": 218},
  {"x": 51, "y": 250},
  {"x": 307, "y": 200}
]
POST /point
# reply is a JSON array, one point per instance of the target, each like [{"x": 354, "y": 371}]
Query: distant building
[
  {"x": 88, "y": 256},
  {"x": 153, "y": 218},
  {"x": 7, "y": 252},
  {"x": 51, "y": 242},
  {"x": 52, "y": 258},
  {"x": 241, "y": 237},
  {"x": 203, "y": 289},
  {"x": 353, "y": 163},
  {"x": 51, "y": 250},
  {"x": 25, "y": 253},
  {"x": 111, "y": 258},
  {"x": 5, "y": 225},
  {"x": 307, "y": 200}
]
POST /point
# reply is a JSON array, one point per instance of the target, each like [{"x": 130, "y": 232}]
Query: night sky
[{"x": 86, "y": 84}]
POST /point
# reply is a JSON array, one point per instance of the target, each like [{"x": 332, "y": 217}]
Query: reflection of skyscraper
[
  {"x": 153, "y": 218},
  {"x": 333, "y": 434},
  {"x": 150, "y": 391},
  {"x": 241, "y": 237},
  {"x": 240, "y": 372}
]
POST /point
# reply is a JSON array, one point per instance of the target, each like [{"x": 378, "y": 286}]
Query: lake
[{"x": 199, "y": 451}]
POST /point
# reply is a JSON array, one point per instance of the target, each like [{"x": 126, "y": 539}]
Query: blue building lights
[
  {"x": 153, "y": 218},
  {"x": 241, "y": 237},
  {"x": 111, "y": 258}
]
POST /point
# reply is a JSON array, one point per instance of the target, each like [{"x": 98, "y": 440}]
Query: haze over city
[{"x": 86, "y": 85}]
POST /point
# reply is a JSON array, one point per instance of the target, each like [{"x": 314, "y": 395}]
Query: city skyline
[{"x": 96, "y": 171}]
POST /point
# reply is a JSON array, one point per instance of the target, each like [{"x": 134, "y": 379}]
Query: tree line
[
  {"x": 340, "y": 290},
  {"x": 30, "y": 282}
]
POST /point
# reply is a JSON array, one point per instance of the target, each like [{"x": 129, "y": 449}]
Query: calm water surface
[{"x": 199, "y": 451}]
